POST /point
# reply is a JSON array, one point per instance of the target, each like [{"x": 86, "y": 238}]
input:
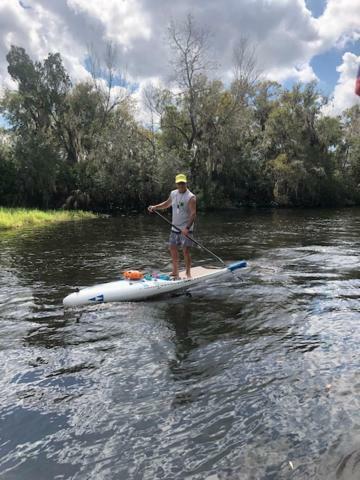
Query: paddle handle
[{"x": 191, "y": 238}]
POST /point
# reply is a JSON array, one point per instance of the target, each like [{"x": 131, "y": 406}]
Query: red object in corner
[{"x": 357, "y": 84}]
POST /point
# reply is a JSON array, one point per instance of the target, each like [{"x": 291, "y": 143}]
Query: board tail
[{"x": 237, "y": 265}]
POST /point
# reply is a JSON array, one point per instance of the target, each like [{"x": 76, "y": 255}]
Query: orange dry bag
[{"x": 133, "y": 275}]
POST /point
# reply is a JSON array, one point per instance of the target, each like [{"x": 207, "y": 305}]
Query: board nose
[{"x": 69, "y": 300}]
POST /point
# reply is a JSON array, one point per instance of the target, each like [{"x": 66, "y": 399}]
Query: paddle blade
[{"x": 237, "y": 265}]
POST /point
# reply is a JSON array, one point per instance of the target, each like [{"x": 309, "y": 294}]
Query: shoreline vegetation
[
  {"x": 13, "y": 218},
  {"x": 246, "y": 142}
]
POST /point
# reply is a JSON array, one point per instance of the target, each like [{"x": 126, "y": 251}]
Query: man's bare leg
[
  {"x": 175, "y": 260},
  {"x": 187, "y": 258}
]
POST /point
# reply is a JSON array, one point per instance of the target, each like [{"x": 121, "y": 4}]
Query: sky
[{"x": 296, "y": 40}]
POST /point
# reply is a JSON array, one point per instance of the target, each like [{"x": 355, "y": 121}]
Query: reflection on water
[{"x": 253, "y": 377}]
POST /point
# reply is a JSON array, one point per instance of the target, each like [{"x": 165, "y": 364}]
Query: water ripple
[{"x": 255, "y": 376}]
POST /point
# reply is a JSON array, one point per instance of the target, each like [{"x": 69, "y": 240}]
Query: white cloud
[
  {"x": 339, "y": 23},
  {"x": 302, "y": 73},
  {"x": 286, "y": 33},
  {"x": 39, "y": 31},
  {"x": 123, "y": 20},
  {"x": 344, "y": 92}
]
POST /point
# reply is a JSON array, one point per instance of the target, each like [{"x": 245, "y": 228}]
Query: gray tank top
[{"x": 180, "y": 209}]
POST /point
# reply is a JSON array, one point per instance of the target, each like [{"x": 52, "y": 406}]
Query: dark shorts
[{"x": 180, "y": 240}]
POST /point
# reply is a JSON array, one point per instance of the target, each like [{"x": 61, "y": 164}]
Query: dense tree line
[{"x": 250, "y": 142}]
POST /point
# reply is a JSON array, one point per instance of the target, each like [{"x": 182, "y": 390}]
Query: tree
[
  {"x": 298, "y": 154},
  {"x": 189, "y": 44},
  {"x": 39, "y": 102},
  {"x": 109, "y": 81},
  {"x": 351, "y": 147},
  {"x": 203, "y": 116},
  {"x": 8, "y": 177},
  {"x": 250, "y": 142},
  {"x": 36, "y": 112}
]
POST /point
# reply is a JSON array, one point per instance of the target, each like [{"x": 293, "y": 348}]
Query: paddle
[{"x": 190, "y": 238}]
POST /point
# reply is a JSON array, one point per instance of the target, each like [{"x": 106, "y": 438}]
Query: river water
[{"x": 252, "y": 377}]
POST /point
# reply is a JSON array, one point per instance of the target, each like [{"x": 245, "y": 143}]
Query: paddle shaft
[{"x": 190, "y": 238}]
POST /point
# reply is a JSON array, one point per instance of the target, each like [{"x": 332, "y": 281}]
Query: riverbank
[{"x": 12, "y": 218}]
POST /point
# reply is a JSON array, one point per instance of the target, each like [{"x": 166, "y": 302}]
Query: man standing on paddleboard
[{"x": 183, "y": 203}]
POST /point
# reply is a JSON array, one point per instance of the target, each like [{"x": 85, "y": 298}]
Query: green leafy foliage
[{"x": 248, "y": 143}]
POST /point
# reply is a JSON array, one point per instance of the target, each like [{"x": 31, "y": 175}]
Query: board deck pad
[{"x": 198, "y": 272}]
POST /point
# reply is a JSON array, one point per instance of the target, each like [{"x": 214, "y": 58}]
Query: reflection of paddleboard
[{"x": 129, "y": 290}]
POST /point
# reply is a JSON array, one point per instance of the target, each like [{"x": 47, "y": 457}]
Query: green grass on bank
[{"x": 22, "y": 217}]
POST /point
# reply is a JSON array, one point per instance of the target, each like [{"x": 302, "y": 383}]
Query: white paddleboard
[{"x": 132, "y": 290}]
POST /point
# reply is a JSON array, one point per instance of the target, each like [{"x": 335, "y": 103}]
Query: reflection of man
[{"x": 183, "y": 204}]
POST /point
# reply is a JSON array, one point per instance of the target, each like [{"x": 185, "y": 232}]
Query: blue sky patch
[
  {"x": 4, "y": 123},
  {"x": 118, "y": 81},
  {"x": 316, "y": 7}
]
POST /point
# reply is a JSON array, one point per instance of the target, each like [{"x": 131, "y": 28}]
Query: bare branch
[
  {"x": 246, "y": 73},
  {"x": 246, "y": 69},
  {"x": 105, "y": 73},
  {"x": 190, "y": 45}
]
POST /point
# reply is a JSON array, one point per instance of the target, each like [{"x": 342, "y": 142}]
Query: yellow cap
[{"x": 180, "y": 178}]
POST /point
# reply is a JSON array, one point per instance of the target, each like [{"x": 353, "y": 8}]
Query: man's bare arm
[
  {"x": 161, "y": 206},
  {"x": 192, "y": 208}
]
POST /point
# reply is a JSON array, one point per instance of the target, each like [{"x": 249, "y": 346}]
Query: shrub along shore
[{"x": 11, "y": 218}]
